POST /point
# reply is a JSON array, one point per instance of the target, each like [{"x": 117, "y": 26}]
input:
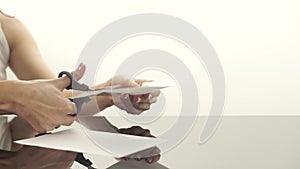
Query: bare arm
[
  {"x": 25, "y": 59},
  {"x": 26, "y": 97},
  {"x": 26, "y": 62}
]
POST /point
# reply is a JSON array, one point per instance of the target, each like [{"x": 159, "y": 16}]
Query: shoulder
[{"x": 12, "y": 27}]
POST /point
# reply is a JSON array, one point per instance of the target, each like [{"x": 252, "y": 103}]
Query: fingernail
[
  {"x": 138, "y": 100},
  {"x": 79, "y": 66}
]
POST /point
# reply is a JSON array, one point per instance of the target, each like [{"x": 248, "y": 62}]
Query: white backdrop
[{"x": 257, "y": 42}]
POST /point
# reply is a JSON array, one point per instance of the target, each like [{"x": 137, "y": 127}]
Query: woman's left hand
[{"x": 132, "y": 104}]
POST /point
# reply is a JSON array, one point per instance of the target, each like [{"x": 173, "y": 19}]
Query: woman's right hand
[{"x": 42, "y": 103}]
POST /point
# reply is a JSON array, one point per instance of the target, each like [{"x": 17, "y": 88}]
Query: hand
[
  {"x": 150, "y": 155},
  {"x": 42, "y": 158},
  {"x": 79, "y": 72},
  {"x": 132, "y": 104},
  {"x": 42, "y": 104}
]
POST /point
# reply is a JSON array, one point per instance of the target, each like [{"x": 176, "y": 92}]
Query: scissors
[
  {"x": 89, "y": 92},
  {"x": 75, "y": 85}
]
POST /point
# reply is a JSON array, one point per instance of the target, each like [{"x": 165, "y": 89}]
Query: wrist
[
  {"x": 9, "y": 95},
  {"x": 104, "y": 102}
]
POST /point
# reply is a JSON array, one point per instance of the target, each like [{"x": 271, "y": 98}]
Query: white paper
[
  {"x": 95, "y": 142},
  {"x": 69, "y": 140},
  {"x": 147, "y": 88}
]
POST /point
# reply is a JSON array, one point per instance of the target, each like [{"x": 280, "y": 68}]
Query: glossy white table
[{"x": 245, "y": 142}]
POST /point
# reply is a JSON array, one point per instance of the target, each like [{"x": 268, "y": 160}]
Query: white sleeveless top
[{"x": 5, "y": 136}]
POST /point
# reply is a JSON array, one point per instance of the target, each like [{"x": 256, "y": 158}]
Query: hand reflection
[
  {"x": 150, "y": 155},
  {"x": 42, "y": 158}
]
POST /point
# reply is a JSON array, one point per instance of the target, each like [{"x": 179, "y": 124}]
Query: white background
[{"x": 257, "y": 42}]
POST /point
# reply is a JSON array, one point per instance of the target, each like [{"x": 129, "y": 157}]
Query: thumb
[
  {"x": 62, "y": 82},
  {"x": 141, "y": 81},
  {"x": 133, "y": 83},
  {"x": 78, "y": 73}
]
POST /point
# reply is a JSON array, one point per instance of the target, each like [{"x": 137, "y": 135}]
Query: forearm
[
  {"x": 102, "y": 102},
  {"x": 8, "y": 94},
  {"x": 95, "y": 105}
]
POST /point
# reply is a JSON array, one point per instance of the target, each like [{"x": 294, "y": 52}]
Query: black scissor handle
[{"x": 74, "y": 83}]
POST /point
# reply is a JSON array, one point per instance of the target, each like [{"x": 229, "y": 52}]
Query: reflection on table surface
[{"x": 240, "y": 142}]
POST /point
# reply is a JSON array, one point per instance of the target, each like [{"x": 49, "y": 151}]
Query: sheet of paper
[
  {"x": 147, "y": 88},
  {"x": 70, "y": 140},
  {"x": 102, "y": 143},
  {"x": 133, "y": 164}
]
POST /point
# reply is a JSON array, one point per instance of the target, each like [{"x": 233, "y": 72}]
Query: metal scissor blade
[
  {"x": 91, "y": 93},
  {"x": 109, "y": 90},
  {"x": 96, "y": 92}
]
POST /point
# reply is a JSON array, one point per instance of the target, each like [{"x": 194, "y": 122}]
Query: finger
[
  {"x": 155, "y": 93},
  {"x": 73, "y": 109},
  {"x": 69, "y": 120},
  {"x": 69, "y": 108},
  {"x": 141, "y": 81},
  {"x": 62, "y": 83},
  {"x": 78, "y": 73},
  {"x": 143, "y": 106},
  {"x": 40, "y": 130},
  {"x": 120, "y": 101},
  {"x": 129, "y": 106},
  {"x": 153, "y": 100},
  {"x": 135, "y": 98},
  {"x": 139, "y": 98},
  {"x": 145, "y": 96},
  {"x": 133, "y": 83},
  {"x": 50, "y": 127}
]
